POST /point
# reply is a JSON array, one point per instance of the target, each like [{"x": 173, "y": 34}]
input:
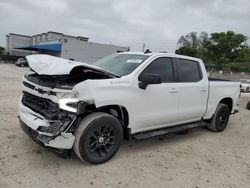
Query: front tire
[
  {"x": 98, "y": 138},
  {"x": 220, "y": 118}
]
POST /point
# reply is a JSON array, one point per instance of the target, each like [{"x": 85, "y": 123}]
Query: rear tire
[
  {"x": 247, "y": 89},
  {"x": 220, "y": 118},
  {"x": 248, "y": 105},
  {"x": 98, "y": 138}
]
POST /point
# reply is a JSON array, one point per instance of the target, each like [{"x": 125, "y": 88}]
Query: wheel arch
[
  {"x": 118, "y": 111},
  {"x": 227, "y": 101}
]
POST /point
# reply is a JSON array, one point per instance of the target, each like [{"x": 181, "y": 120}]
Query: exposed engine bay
[{"x": 76, "y": 75}]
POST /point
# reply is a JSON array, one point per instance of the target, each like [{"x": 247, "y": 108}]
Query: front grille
[
  {"x": 39, "y": 90},
  {"x": 43, "y": 106},
  {"x": 28, "y": 85}
]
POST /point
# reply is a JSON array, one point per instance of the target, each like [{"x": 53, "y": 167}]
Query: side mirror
[{"x": 147, "y": 79}]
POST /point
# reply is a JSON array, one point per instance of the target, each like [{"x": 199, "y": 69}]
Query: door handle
[
  {"x": 173, "y": 90},
  {"x": 203, "y": 89}
]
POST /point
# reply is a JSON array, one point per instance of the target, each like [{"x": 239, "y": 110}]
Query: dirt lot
[{"x": 197, "y": 159}]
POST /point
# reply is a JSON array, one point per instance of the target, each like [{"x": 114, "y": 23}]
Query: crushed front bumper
[
  {"x": 31, "y": 123},
  {"x": 64, "y": 153}
]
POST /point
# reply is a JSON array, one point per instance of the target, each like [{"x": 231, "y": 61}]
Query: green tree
[
  {"x": 221, "y": 50},
  {"x": 225, "y": 47},
  {"x": 1, "y": 49},
  {"x": 243, "y": 55},
  {"x": 187, "y": 50},
  {"x": 191, "y": 40},
  {"x": 192, "y": 44}
]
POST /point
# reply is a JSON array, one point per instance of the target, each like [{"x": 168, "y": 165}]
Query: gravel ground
[{"x": 198, "y": 159}]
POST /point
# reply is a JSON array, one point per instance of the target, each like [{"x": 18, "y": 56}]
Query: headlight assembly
[
  {"x": 68, "y": 104},
  {"x": 68, "y": 101},
  {"x": 67, "y": 95}
]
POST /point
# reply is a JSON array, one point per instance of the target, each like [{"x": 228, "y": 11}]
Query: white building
[{"x": 60, "y": 45}]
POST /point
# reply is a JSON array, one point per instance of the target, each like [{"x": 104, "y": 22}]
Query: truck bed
[
  {"x": 219, "y": 89},
  {"x": 218, "y": 79}
]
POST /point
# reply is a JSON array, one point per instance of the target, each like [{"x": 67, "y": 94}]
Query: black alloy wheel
[
  {"x": 222, "y": 119},
  {"x": 102, "y": 140},
  {"x": 98, "y": 138}
]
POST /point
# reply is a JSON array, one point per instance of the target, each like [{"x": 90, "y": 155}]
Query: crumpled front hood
[{"x": 50, "y": 65}]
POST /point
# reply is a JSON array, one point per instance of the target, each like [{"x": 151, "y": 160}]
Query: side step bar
[{"x": 168, "y": 130}]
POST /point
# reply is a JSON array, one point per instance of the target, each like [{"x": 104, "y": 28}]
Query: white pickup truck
[
  {"x": 245, "y": 85},
  {"x": 89, "y": 109}
]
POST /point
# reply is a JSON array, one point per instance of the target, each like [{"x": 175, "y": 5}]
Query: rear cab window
[{"x": 188, "y": 70}]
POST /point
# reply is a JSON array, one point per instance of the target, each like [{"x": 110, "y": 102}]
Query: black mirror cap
[{"x": 147, "y": 79}]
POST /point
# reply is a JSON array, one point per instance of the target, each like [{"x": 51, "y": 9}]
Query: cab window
[
  {"x": 188, "y": 71},
  {"x": 162, "y": 66}
]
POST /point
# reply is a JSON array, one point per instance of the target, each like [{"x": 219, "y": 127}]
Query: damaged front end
[
  {"x": 46, "y": 123},
  {"x": 48, "y": 106}
]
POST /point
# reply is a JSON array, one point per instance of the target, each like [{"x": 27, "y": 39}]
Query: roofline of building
[
  {"x": 55, "y": 32},
  {"x": 110, "y": 44},
  {"x": 77, "y": 37},
  {"x": 86, "y": 38},
  {"x": 18, "y": 35}
]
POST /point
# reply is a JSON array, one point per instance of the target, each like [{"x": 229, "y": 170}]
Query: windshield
[{"x": 121, "y": 64}]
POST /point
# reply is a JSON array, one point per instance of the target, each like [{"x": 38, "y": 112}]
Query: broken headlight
[
  {"x": 68, "y": 104},
  {"x": 68, "y": 101},
  {"x": 67, "y": 95}
]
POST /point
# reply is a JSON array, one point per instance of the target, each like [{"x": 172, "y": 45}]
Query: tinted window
[
  {"x": 162, "y": 66},
  {"x": 188, "y": 71}
]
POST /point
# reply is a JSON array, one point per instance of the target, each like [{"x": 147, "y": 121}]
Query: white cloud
[{"x": 158, "y": 23}]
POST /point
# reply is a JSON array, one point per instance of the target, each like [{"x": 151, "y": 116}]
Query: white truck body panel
[
  {"x": 165, "y": 107},
  {"x": 219, "y": 90},
  {"x": 158, "y": 106}
]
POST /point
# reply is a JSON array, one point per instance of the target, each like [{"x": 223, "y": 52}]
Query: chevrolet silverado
[{"x": 89, "y": 109}]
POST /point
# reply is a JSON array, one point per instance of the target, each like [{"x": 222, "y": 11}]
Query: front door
[{"x": 158, "y": 102}]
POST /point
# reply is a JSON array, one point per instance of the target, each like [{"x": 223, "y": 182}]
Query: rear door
[{"x": 192, "y": 87}]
